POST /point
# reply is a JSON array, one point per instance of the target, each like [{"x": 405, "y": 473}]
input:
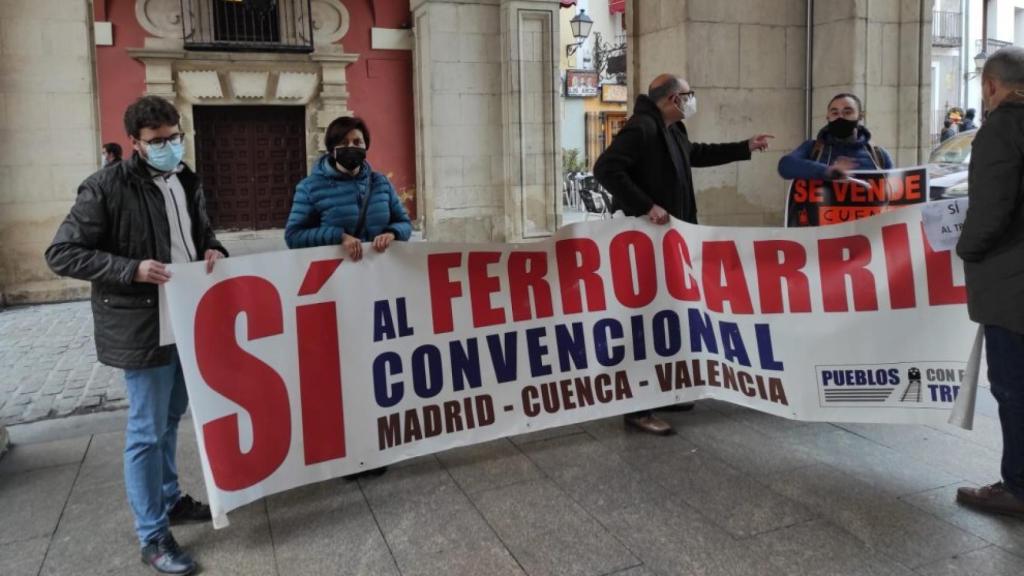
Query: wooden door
[
  {"x": 250, "y": 159},
  {"x": 613, "y": 122}
]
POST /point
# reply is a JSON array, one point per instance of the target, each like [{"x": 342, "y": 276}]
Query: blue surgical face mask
[{"x": 167, "y": 157}]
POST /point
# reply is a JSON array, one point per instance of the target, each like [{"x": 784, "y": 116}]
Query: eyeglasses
[
  {"x": 687, "y": 95},
  {"x": 160, "y": 143}
]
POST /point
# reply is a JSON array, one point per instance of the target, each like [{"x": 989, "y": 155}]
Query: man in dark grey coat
[
  {"x": 128, "y": 221},
  {"x": 647, "y": 171},
  {"x": 992, "y": 246}
]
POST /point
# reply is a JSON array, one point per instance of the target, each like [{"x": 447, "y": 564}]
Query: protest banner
[
  {"x": 302, "y": 366},
  {"x": 864, "y": 193}
]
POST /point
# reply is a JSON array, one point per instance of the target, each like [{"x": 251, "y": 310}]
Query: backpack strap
[
  {"x": 817, "y": 150},
  {"x": 361, "y": 223},
  {"x": 876, "y": 156}
]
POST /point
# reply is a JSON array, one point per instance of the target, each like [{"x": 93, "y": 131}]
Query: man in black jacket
[
  {"x": 647, "y": 170},
  {"x": 128, "y": 221},
  {"x": 992, "y": 247}
]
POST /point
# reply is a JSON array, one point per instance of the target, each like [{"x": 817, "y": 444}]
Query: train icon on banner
[{"x": 926, "y": 384}]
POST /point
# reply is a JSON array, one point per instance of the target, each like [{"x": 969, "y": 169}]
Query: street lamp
[
  {"x": 979, "y": 65},
  {"x": 581, "y": 25},
  {"x": 979, "y": 60}
]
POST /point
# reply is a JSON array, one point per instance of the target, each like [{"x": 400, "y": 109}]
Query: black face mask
[
  {"x": 841, "y": 128},
  {"x": 350, "y": 157}
]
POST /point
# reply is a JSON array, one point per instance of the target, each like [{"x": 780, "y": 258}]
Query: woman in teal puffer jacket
[{"x": 329, "y": 202}]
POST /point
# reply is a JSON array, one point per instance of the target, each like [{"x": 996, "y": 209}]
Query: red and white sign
[{"x": 302, "y": 366}]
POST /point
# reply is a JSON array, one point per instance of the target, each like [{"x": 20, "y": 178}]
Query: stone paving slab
[
  {"x": 590, "y": 500},
  {"x": 32, "y": 502},
  {"x": 902, "y": 532},
  {"x": 23, "y": 558},
  {"x": 989, "y": 561}
]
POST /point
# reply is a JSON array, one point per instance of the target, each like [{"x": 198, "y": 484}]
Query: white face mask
[
  {"x": 103, "y": 160},
  {"x": 689, "y": 108}
]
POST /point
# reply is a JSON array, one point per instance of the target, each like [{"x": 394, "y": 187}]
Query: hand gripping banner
[{"x": 303, "y": 366}]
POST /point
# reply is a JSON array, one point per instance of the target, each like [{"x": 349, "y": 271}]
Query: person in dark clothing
[
  {"x": 647, "y": 170},
  {"x": 110, "y": 153},
  {"x": 992, "y": 247},
  {"x": 128, "y": 221},
  {"x": 968, "y": 123},
  {"x": 947, "y": 131},
  {"x": 844, "y": 144}
]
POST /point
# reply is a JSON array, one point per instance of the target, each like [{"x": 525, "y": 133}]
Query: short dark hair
[
  {"x": 149, "y": 112},
  {"x": 666, "y": 89},
  {"x": 341, "y": 126},
  {"x": 113, "y": 148},
  {"x": 1006, "y": 65},
  {"x": 854, "y": 97},
  {"x": 970, "y": 113}
]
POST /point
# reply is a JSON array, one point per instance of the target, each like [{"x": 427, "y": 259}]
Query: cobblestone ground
[{"x": 48, "y": 365}]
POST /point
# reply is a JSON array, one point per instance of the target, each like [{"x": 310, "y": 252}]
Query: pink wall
[
  {"x": 122, "y": 78},
  {"x": 380, "y": 83}
]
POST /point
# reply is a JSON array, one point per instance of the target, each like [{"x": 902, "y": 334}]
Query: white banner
[
  {"x": 943, "y": 221},
  {"x": 301, "y": 367}
]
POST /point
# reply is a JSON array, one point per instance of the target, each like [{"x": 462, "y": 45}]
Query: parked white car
[{"x": 947, "y": 166}]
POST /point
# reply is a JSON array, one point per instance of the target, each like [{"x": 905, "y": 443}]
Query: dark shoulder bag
[{"x": 361, "y": 223}]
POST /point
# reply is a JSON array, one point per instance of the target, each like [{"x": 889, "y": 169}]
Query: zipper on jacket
[{"x": 177, "y": 214}]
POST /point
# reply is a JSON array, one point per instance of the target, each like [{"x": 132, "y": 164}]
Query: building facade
[
  {"x": 465, "y": 99},
  {"x": 593, "y": 110}
]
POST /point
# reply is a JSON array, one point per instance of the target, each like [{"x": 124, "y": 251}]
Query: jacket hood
[
  {"x": 324, "y": 169},
  {"x": 644, "y": 105}
]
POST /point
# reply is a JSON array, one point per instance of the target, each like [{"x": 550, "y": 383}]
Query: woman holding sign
[
  {"x": 843, "y": 145},
  {"x": 344, "y": 201}
]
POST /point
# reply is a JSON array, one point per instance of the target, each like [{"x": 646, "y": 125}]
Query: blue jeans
[
  {"x": 1005, "y": 351},
  {"x": 157, "y": 399}
]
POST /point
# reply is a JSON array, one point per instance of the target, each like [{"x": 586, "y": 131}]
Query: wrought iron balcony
[
  {"x": 947, "y": 29},
  {"x": 247, "y": 25}
]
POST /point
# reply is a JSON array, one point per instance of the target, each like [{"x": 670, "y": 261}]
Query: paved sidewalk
[
  {"x": 735, "y": 493},
  {"x": 48, "y": 366}
]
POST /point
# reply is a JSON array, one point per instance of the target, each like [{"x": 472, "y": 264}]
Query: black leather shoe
[
  {"x": 188, "y": 509},
  {"x": 165, "y": 556}
]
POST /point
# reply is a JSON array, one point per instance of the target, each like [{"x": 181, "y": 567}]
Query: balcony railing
[
  {"x": 947, "y": 29},
  {"x": 247, "y": 25},
  {"x": 990, "y": 45}
]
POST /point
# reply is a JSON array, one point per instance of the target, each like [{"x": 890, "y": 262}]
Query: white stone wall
[{"x": 49, "y": 140}]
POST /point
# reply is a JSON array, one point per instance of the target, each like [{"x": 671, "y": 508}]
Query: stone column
[
  {"x": 480, "y": 68},
  {"x": 875, "y": 48},
  {"x": 531, "y": 122}
]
